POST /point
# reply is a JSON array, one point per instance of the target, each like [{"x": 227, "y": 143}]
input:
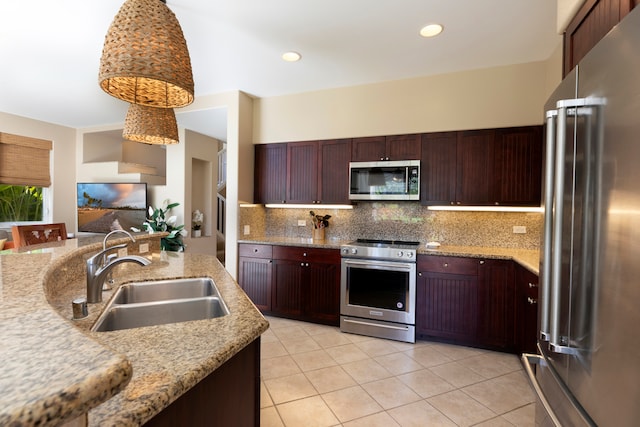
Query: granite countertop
[
  {"x": 528, "y": 258},
  {"x": 55, "y": 369}
]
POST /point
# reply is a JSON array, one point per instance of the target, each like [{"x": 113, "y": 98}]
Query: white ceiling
[{"x": 50, "y": 50}]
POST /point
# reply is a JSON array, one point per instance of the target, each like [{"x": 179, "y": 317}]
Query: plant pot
[
  {"x": 318, "y": 234},
  {"x": 196, "y": 233}
]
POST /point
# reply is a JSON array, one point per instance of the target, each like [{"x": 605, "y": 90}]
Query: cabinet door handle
[
  {"x": 532, "y": 300},
  {"x": 532, "y": 285},
  {"x": 420, "y": 273},
  {"x": 304, "y": 254},
  {"x": 302, "y": 264},
  {"x": 446, "y": 264},
  {"x": 481, "y": 262}
]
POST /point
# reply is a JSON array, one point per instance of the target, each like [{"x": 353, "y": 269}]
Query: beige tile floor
[{"x": 314, "y": 375}]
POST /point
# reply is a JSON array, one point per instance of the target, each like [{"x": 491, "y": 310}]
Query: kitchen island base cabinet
[{"x": 229, "y": 396}]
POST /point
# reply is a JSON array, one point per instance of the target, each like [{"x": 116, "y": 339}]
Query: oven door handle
[{"x": 380, "y": 264}]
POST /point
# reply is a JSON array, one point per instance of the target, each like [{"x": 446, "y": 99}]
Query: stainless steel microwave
[{"x": 386, "y": 180}]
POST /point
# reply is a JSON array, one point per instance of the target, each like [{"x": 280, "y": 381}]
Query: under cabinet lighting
[
  {"x": 487, "y": 208},
  {"x": 295, "y": 206}
]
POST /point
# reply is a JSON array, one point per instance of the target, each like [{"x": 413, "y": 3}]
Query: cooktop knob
[
  {"x": 354, "y": 251},
  {"x": 409, "y": 254},
  {"x": 400, "y": 254}
]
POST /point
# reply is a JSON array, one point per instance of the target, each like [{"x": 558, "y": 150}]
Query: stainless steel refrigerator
[{"x": 587, "y": 371}]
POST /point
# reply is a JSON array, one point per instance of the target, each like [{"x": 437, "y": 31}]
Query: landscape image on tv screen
[{"x": 104, "y": 207}]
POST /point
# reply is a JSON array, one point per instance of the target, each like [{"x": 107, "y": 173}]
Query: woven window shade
[
  {"x": 150, "y": 125},
  {"x": 145, "y": 59},
  {"x": 24, "y": 160}
]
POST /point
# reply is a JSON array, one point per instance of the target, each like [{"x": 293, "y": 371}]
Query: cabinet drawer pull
[
  {"x": 481, "y": 262},
  {"x": 302, "y": 264},
  {"x": 304, "y": 254},
  {"x": 532, "y": 300},
  {"x": 446, "y": 264},
  {"x": 532, "y": 285}
]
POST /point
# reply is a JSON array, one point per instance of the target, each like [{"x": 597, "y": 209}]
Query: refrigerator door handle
[
  {"x": 528, "y": 360},
  {"x": 556, "y": 343},
  {"x": 549, "y": 177}
]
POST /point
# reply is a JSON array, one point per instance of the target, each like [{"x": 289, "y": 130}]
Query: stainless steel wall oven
[{"x": 378, "y": 289}]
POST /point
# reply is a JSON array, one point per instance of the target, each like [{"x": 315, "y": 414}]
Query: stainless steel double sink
[{"x": 159, "y": 302}]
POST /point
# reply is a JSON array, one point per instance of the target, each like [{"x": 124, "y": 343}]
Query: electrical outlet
[
  {"x": 144, "y": 248},
  {"x": 302, "y": 223},
  {"x": 122, "y": 252},
  {"x": 247, "y": 229},
  {"x": 519, "y": 229}
]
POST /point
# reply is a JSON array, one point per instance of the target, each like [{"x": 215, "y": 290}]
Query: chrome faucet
[
  {"x": 107, "y": 259},
  {"x": 97, "y": 271}
]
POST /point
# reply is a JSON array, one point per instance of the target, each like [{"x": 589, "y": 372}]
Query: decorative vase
[
  {"x": 197, "y": 233},
  {"x": 318, "y": 234}
]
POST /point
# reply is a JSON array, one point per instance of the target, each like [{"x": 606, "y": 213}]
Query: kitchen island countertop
[
  {"x": 528, "y": 258},
  {"x": 55, "y": 369}
]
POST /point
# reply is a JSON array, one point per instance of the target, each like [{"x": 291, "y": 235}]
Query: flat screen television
[{"x": 104, "y": 207}]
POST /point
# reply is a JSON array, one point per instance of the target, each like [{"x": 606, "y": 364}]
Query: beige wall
[
  {"x": 63, "y": 177},
  {"x": 493, "y": 97}
]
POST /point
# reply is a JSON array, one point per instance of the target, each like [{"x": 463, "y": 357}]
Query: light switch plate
[
  {"x": 144, "y": 248},
  {"x": 247, "y": 229},
  {"x": 519, "y": 229},
  {"x": 302, "y": 223},
  {"x": 122, "y": 252}
]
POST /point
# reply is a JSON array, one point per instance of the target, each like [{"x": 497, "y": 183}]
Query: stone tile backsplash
[{"x": 399, "y": 221}]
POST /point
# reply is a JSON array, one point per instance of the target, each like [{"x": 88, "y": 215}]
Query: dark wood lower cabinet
[
  {"x": 447, "y": 306},
  {"x": 527, "y": 310},
  {"x": 306, "y": 284},
  {"x": 229, "y": 396},
  {"x": 467, "y": 301},
  {"x": 290, "y": 281},
  {"x": 496, "y": 305}
]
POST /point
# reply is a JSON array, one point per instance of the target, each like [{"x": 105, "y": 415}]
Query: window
[
  {"x": 24, "y": 178},
  {"x": 20, "y": 203}
]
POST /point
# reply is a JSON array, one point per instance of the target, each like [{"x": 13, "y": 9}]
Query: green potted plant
[{"x": 158, "y": 222}]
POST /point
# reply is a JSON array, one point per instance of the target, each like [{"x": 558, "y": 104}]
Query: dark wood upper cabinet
[
  {"x": 318, "y": 171},
  {"x": 475, "y": 153},
  {"x": 270, "y": 174},
  {"x": 380, "y": 148},
  {"x": 517, "y": 173},
  {"x": 302, "y": 172},
  {"x": 438, "y": 168},
  {"x": 403, "y": 147},
  {"x": 482, "y": 167},
  {"x": 590, "y": 24},
  {"x": 369, "y": 149},
  {"x": 335, "y": 156}
]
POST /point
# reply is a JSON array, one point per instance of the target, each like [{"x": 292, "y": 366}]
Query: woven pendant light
[
  {"x": 150, "y": 125},
  {"x": 145, "y": 59}
]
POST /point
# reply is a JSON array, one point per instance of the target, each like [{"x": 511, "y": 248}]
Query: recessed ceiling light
[
  {"x": 431, "y": 30},
  {"x": 291, "y": 56}
]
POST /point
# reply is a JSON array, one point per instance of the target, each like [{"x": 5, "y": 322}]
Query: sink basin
[
  {"x": 140, "y": 304},
  {"x": 161, "y": 290},
  {"x": 127, "y": 316}
]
